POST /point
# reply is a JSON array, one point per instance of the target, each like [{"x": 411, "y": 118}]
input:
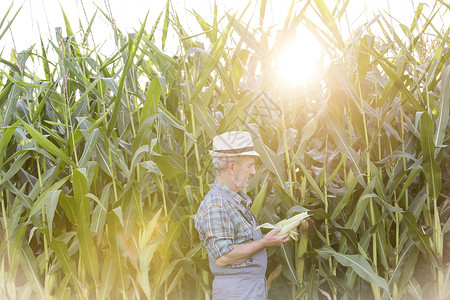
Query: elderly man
[{"x": 227, "y": 227}]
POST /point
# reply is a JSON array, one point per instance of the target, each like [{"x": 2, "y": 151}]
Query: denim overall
[{"x": 247, "y": 282}]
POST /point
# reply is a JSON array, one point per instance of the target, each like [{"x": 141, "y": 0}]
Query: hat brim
[{"x": 219, "y": 154}]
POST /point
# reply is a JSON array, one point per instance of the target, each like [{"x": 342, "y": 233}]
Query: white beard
[{"x": 239, "y": 184}]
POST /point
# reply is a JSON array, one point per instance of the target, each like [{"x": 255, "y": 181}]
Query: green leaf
[
  {"x": 358, "y": 263},
  {"x": 160, "y": 54},
  {"x": 166, "y": 166},
  {"x": 117, "y": 99},
  {"x": 151, "y": 101},
  {"x": 311, "y": 180},
  {"x": 176, "y": 281},
  {"x": 103, "y": 160},
  {"x": 205, "y": 27},
  {"x": 9, "y": 20},
  {"x": 62, "y": 255},
  {"x": 421, "y": 240},
  {"x": 108, "y": 275},
  {"x": 47, "y": 145},
  {"x": 259, "y": 200},
  {"x": 144, "y": 267},
  {"x": 15, "y": 252},
  {"x": 166, "y": 25},
  {"x": 143, "y": 134},
  {"x": 245, "y": 34},
  {"x": 15, "y": 167},
  {"x": 89, "y": 29},
  {"x": 430, "y": 166},
  {"x": 88, "y": 251},
  {"x": 414, "y": 288},
  {"x": 69, "y": 207},
  {"x": 63, "y": 292},
  {"x": 5, "y": 139},
  {"x": 342, "y": 285},
  {"x": 401, "y": 86},
  {"x": 119, "y": 213},
  {"x": 174, "y": 232},
  {"x": 308, "y": 131},
  {"x": 269, "y": 158},
  {"x": 31, "y": 270},
  {"x": 205, "y": 118},
  {"x": 99, "y": 212},
  {"x": 329, "y": 21},
  {"x": 239, "y": 65},
  {"x": 417, "y": 16},
  {"x": 435, "y": 65},
  {"x": 138, "y": 156},
  {"x": 363, "y": 58},
  {"x": 11, "y": 105},
  {"x": 340, "y": 138},
  {"x": 262, "y": 12},
  {"x": 95, "y": 198},
  {"x": 52, "y": 199},
  {"x": 411, "y": 177},
  {"x": 40, "y": 202},
  {"x": 406, "y": 264},
  {"x": 237, "y": 113},
  {"x": 165, "y": 273},
  {"x": 86, "y": 92},
  {"x": 45, "y": 62},
  {"x": 91, "y": 142},
  {"x": 344, "y": 201},
  {"x": 66, "y": 21},
  {"x": 216, "y": 54},
  {"x": 4, "y": 93},
  {"x": 336, "y": 170},
  {"x": 80, "y": 189},
  {"x": 358, "y": 212},
  {"x": 443, "y": 116}
]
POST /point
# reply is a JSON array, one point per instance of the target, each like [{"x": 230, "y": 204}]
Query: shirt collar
[{"x": 238, "y": 197}]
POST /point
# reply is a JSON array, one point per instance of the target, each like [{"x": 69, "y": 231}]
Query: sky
[{"x": 39, "y": 18}]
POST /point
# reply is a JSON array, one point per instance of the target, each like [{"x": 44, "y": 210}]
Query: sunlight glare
[{"x": 299, "y": 61}]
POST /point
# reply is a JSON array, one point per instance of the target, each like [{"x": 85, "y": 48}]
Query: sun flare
[{"x": 299, "y": 61}]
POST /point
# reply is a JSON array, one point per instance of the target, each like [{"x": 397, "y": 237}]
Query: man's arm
[{"x": 241, "y": 252}]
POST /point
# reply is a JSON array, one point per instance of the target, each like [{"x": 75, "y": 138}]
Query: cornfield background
[{"x": 104, "y": 160}]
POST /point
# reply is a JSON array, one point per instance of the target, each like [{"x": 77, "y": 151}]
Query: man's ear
[{"x": 231, "y": 167}]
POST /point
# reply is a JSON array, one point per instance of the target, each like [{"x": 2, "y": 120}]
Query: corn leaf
[
  {"x": 443, "y": 116},
  {"x": 88, "y": 251},
  {"x": 430, "y": 166},
  {"x": 118, "y": 97},
  {"x": 358, "y": 263},
  {"x": 47, "y": 145},
  {"x": 151, "y": 101},
  {"x": 31, "y": 269},
  {"x": 421, "y": 240},
  {"x": 258, "y": 203}
]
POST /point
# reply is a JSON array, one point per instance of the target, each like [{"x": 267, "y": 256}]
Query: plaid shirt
[{"x": 220, "y": 224}]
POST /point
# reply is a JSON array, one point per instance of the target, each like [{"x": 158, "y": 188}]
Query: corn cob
[{"x": 287, "y": 225}]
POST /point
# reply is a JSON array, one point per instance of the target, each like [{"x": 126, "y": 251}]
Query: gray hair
[{"x": 220, "y": 163}]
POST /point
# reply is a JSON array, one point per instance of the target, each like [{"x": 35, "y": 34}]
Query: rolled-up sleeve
[{"x": 217, "y": 231}]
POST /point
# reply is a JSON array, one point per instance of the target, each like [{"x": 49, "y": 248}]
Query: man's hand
[
  {"x": 241, "y": 252},
  {"x": 273, "y": 240}
]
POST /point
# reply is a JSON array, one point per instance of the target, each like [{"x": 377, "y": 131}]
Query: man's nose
[{"x": 252, "y": 170}]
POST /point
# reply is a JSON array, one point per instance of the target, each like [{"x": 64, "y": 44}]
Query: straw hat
[{"x": 233, "y": 143}]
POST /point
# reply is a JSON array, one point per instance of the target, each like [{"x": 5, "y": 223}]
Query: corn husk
[{"x": 288, "y": 225}]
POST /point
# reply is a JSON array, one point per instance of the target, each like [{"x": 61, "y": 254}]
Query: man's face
[{"x": 245, "y": 169}]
